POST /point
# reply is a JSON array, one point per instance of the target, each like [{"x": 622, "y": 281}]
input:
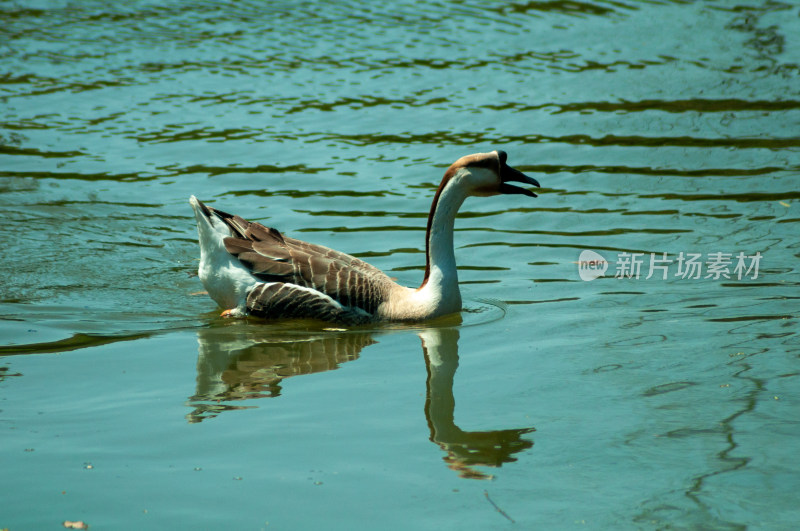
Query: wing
[
  {"x": 272, "y": 257},
  {"x": 281, "y": 300}
]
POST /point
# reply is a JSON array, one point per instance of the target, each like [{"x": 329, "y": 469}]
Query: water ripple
[{"x": 674, "y": 106}]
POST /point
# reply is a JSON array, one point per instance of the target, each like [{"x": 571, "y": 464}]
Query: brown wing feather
[
  {"x": 326, "y": 252},
  {"x": 280, "y": 300},
  {"x": 272, "y": 257}
]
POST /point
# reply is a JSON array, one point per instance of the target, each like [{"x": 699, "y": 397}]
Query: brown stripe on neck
[
  {"x": 478, "y": 160},
  {"x": 451, "y": 171}
]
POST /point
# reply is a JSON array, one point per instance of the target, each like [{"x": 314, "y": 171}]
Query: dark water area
[{"x": 628, "y": 353}]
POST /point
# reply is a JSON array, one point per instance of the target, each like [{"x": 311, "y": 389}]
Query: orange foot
[{"x": 228, "y": 313}]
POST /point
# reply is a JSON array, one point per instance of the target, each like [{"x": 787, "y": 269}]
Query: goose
[{"x": 252, "y": 270}]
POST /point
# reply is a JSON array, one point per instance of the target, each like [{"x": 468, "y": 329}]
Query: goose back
[{"x": 274, "y": 258}]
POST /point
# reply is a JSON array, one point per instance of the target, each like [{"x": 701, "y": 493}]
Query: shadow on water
[{"x": 238, "y": 363}]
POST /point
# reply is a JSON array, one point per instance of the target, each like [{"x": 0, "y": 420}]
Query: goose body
[{"x": 250, "y": 269}]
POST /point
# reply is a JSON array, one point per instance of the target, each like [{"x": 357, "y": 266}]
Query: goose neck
[{"x": 440, "y": 270}]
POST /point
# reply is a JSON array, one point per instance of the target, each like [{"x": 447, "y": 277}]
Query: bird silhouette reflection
[{"x": 238, "y": 363}]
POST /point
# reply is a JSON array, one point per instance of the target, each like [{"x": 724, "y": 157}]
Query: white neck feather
[{"x": 440, "y": 288}]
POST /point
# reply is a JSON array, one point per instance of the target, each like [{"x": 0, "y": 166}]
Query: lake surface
[{"x": 666, "y": 136}]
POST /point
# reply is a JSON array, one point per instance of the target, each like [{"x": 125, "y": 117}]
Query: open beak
[{"x": 507, "y": 173}]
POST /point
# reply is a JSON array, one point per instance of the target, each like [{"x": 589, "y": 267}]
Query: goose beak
[{"x": 507, "y": 173}]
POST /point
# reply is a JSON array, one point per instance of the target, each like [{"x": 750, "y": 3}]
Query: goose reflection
[
  {"x": 240, "y": 362},
  {"x": 243, "y": 361},
  {"x": 464, "y": 449}
]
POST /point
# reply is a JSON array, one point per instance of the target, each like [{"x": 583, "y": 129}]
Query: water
[{"x": 654, "y": 127}]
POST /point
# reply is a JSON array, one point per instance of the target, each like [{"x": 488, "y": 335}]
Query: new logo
[{"x": 591, "y": 265}]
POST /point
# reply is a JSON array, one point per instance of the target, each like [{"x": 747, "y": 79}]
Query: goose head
[{"x": 487, "y": 174}]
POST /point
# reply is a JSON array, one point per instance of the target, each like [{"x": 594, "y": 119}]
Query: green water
[{"x": 550, "y": 403}]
